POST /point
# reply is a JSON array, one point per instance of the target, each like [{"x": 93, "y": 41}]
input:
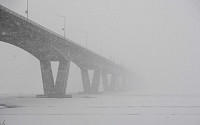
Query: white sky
[{"x": 157, "y": 39}]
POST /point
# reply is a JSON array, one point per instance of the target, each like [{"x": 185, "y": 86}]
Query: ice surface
[{"x": 102, "y": 109}]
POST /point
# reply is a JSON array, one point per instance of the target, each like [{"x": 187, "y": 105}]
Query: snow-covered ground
[{"x": 101, "y": 109}]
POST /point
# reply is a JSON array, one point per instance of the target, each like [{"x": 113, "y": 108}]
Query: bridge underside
[
  {"x": 47, "y": 46},
  {"x": 58, "y": 89}
]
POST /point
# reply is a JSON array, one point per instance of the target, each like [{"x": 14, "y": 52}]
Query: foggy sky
[{"x": 157, "y": 39}]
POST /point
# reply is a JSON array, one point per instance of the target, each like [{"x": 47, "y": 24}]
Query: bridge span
[{"x": 49, "y": 46}]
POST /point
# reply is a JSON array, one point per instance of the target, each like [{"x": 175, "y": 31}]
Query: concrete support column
[
  {"x": 85, "y": 80},
  {"x": 113, "y": 82},
  {"x": 62, "y": 77},
  {"x": 117, "y": 83},
  {"x": 123, "y": 83},
  {"x": 96, "y": 80},
  {"x": 105, "y": 82},
  {"x": 47, "y": 77}
]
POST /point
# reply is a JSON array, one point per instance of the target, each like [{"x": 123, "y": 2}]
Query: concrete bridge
[{"x": 48, "y": 46}]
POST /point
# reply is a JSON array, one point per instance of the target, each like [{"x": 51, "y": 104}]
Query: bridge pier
[
  {"x": 116, "y": 88},
  {"x": 59, "y": 89},
  {"x": 85, "y": 80},
  {"x": 96, "y": 81},
  {"x": 105, "y": 82},
  {"x": 113, "y": 83},
  {"x": 47, "y": 77},
  {"x": 124, "y": 83},
  {"x": 62, "y": 77}
]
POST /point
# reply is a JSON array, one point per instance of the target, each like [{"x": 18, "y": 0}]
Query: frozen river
[{"x": 101, "y": 109}]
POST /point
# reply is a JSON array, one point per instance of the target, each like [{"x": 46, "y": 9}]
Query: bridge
[{"x": 48, "y": 46}]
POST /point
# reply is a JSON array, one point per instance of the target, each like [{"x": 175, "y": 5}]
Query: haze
[{"x": 157, "y": 40}]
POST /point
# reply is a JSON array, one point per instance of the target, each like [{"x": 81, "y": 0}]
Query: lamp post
[
  {"x": 63, "y": 24},
  {"x": 26, "y": 8}
]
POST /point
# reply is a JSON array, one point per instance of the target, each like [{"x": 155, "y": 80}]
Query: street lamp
[
  {"x": 26, "y": 8},
  {"x": 64, "y": 24}
]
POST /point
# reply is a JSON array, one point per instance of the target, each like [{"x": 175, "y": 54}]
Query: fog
[{"x": 157, "y": 40}]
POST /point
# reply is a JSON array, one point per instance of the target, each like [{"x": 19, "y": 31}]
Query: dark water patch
[{"x": 10, "y": 106}]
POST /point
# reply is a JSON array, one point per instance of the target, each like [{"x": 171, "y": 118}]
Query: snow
[{"x": 102, "y": 109}]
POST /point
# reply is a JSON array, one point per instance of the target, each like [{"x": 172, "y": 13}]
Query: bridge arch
[
  {"x": 20, "y": 71},
  {"x": 22, "y": 44}
]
